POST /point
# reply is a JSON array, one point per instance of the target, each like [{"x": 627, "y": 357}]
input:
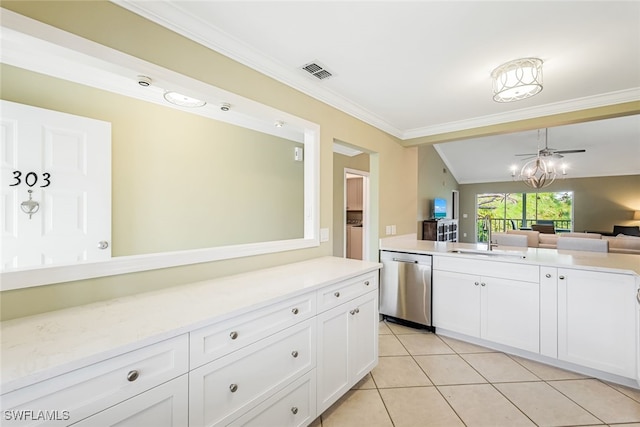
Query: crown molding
[
  {"x": 196, "y": 29},
  {"x": 578, "y": 104}
]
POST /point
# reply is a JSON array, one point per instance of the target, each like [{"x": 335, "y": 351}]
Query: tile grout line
[{"x": 429, "y": 378}]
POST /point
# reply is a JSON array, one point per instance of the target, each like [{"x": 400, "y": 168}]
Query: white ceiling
[{"x": 419, "y": 68}]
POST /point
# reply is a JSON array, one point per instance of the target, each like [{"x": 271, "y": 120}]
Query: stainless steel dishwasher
[{"x": 405, "y": 287}]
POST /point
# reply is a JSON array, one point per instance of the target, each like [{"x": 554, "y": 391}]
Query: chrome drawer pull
[
  {"x": 133, "y": 375},
  {"x": 483, "y": 284},
  {"x": 294, "y": 410},
  {"x": 337, "y": 294},
  {"x": 357, "y": 310},
  {"x": 233, "y": 335},
  {"x": 561, "y": 277},
  {"x": 294, "y": 354},
  {"x": 476, "y": 283},
  {"x": 233, "y": 388},
  {"x": 366, "y": 283},
  {"x": 352, "y": 312},
  {"x": 548, "y": 276},
  {"x": 295, "y": 311}
]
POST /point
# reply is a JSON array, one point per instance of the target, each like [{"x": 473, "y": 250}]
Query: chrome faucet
[{"x": 486, "y": 226}]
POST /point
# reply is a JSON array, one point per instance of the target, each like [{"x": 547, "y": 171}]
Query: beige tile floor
[{"x": 423, "y": 379}]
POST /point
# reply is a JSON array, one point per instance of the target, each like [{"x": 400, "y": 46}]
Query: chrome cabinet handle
[
  {"x": 294, "y": 353},
  {"x": 476, "y": 283},
  {"x": 294, "y": 410},
  {"x": 483, "y": 284},
  {"x": 638, "y": 296},
  {"x": 133, "y": 375},
  {"x": 357, "y": 310},
  {"x": 352, "y": 312},
  {"x": 295, "y": 311},
  {"x": 548, "y": 276},
  {"x": 233, "y": 335},
  {"x": 337, "y": 294},
  {"x": 103, "y": 244},
  {"x": 561, "y": 277},
  {"x": 233, "y": 388},
  {"x": 366, "y": 283}
]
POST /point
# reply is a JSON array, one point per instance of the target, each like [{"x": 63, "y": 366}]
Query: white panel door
[{"x": 63, "y": 162}]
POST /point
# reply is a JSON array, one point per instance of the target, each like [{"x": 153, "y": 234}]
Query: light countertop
[
  {"x": 38, "y": 347},
  {"x": 611, "y": 262}
]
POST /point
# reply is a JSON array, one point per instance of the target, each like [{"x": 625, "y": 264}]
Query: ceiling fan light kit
[
  {"x": 540, "y": 172},
  {"x": 517, "y": 79}
]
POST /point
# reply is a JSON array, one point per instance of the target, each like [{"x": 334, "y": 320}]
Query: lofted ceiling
[{"x": 420, "y": 68}]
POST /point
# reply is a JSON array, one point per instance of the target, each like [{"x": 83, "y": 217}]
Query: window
[{"x": 520, "y": 210}]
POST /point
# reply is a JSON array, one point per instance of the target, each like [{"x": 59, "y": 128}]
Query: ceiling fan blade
[
  {"x": 528, "y": 154},
  {"x": 570, "y": 151}
]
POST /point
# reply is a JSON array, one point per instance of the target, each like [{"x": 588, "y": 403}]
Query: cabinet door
[
  {"x": 549, "y": 311},
  {"x": 363, "y": 331},
  {"x": 163, "y": 406},
  {"x": 347, "y": 347},
  {"x": 456, "y": 302},
  {"x": 510, "y": 313},
  {"x": 597, "y": 320},
  {"x": 333, "y": 355}
]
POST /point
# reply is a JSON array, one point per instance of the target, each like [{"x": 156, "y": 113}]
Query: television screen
[{"x": 439, "y": 208}]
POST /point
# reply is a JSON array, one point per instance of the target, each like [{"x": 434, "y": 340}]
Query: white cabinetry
[
  {"x": 347, "y": 339},
  {"x": 597, "y": 320},
  {"x": 89, "y": 390},
  {"x": 163, "y": 406},
  {"x": 252, "y": 365},
  {"x": 224, "y": 389},
  {"x": 496, "y": 301}
]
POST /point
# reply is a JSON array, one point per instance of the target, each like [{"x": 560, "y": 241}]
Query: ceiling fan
[{"x": 549, "y": 152}]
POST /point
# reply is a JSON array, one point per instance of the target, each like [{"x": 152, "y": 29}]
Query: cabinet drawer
[
  {"x": 212, "y": 342},
  {"x": 502, "y": 270},
  {"x": 163, "y": 406},
  {"x": 342, "y": 292},
  {"x": 225, "y": 388},
  {"x": 292, "y": 407},
  {"x": 86, "y": 391}
]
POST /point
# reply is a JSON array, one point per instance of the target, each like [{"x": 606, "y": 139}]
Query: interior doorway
[{"x": 357, "y": 219}]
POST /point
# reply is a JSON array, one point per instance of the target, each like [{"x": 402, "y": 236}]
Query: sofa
[{"x": 621, "y": 243}]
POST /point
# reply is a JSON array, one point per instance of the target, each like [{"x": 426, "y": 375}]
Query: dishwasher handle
[{"x": 409, "y": 261}]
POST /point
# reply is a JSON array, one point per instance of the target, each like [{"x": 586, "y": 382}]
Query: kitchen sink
[{"x": 492, "y": 253}]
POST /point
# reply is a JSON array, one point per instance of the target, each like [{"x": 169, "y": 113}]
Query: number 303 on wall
[{"x": 31, "y": 179}]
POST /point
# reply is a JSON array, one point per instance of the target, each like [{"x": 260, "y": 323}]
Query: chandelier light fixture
[
  {"x": 538, "y": 172},
  {"x": 517, "y": 79}
]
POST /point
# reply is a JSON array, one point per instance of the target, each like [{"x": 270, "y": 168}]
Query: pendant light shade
[{"x": 516, "y": 80}]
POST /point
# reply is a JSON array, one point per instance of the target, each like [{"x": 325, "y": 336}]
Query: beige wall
[
  {"x": 392, "y": 166},
  {"x": 434, "y": 180},
  {"x": 598, "y": 203},
  {"x": 340, "y": 163}
]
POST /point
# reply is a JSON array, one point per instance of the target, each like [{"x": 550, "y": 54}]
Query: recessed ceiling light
[
  {"x": 279, "y": 124},
  {"x": 183, "y": 100}
]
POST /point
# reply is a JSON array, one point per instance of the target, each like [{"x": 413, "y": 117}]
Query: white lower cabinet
[
  {"x": 262, "y": 367},
  {"x": 347, "y": 346},
  {"x": 294, "y": 406},
  {"x": 597, "y": 320},
  {"x": 164, "y": 406},
  {"x": 226, "y": 388},
  {"x": 497, "y": 309}
]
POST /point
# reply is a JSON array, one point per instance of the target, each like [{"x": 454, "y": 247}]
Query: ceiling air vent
[{"x": 317, "y": 71}]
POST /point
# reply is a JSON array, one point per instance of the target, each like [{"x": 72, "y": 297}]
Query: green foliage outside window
[{"x": 520, "y": 210}]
